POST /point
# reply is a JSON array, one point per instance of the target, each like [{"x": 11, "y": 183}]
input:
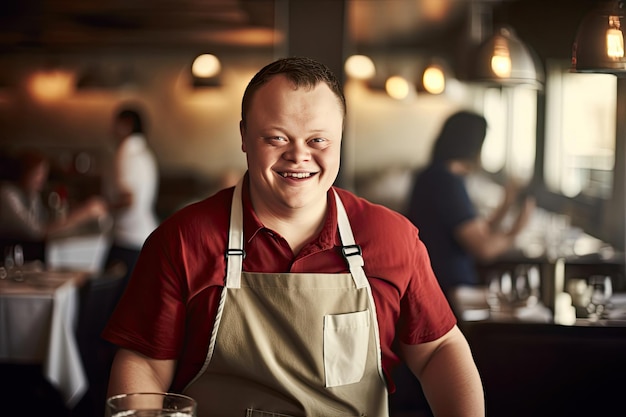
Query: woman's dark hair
[
  {"x": 29, "y": 160},
  {"x": 461, "y": 137},
  {"x": 303, "y": 72}
]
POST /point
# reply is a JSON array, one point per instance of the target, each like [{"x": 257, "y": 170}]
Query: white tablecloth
[
  {"x": 37, "y": 325},
  {"x": 81, "y": 252}
]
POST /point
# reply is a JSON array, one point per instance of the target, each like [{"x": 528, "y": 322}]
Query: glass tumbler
[
  {"x": 151, "y": 404},
  {"x": 601, "y": 291}
]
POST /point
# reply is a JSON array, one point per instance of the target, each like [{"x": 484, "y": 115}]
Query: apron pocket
[{"x": 346, "y": 339}]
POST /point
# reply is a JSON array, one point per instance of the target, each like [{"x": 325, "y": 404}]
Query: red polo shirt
[{"x": 168, "y": 308}]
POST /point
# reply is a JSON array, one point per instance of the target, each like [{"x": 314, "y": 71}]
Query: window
[
  {"x": 580, "y": 132},
  {"x": 509, "y": 147}
]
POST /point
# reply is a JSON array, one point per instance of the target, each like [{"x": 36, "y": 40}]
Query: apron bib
[{"x": 292, "y": 344}]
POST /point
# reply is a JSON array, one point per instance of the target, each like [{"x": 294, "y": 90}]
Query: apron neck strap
[
  {"x": 235, "y": 252},
  {"x": 351, "y": 251}
]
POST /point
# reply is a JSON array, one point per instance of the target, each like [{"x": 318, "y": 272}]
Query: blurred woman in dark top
[
  {"x": 24, "y": 218},
  {"x": 455, "y": 235}
]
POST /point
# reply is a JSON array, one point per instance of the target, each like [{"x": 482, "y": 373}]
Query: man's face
[{"x": 292, "y": 141}]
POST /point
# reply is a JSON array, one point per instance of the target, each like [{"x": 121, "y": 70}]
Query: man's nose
[{"x": 298, "y": 151}]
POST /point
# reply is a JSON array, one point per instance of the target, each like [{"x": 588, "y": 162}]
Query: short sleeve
[
  {"x": 425, "y": 313},
  {"x": 150, "y": 317}
]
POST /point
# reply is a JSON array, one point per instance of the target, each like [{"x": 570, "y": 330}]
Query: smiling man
[{"x": 285, "y": 295}]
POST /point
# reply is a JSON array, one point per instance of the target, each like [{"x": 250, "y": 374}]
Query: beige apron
[{"x": 292, "y": 344}]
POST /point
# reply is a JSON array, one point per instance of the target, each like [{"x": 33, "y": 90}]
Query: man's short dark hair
[{"x": 302, "y": 71}]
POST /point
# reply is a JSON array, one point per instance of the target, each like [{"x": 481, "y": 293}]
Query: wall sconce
[
  {"x": 360, "y": 67},
  {"x": 599, "y": 43},
  {"x": 504, "y": 59},
  {"x": 205, "y": 71}
]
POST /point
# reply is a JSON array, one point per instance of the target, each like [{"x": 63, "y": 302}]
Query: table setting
[{"x": 513, "y": 295}]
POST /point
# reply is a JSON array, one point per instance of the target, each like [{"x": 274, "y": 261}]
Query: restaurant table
[
  {"x": 82, "y": 252},
  {"x": 533, "y": 365},
  {"x": 38, "y": 315}
]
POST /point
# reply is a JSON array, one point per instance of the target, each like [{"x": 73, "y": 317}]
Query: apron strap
[
  {"x": 233, "y": 255},
  {"x": 235, "y": 252},
  {"x": 351, "y": 251}
]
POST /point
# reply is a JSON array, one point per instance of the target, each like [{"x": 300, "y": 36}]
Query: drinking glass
[
  {"x": 151, "y": 404},
  {"x": 13, "y": 262},
  {"x": 18, "y": 256},
  {"x": 9, "y": 259},
  {"x": 527, "y": 285},
  {"x": 601, "y": 291}
]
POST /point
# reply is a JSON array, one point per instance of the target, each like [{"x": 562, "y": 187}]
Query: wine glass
[
  {"x": 9, "y": 259},
  {"x": 601, "y": 291},
  {"x": 17, "y": 263},
  {"x": 500, "y": 292},
  {"x": 13, "y": 262},
  {"x": 527, "y": 285},
  {"x": 18, "y": 256}
]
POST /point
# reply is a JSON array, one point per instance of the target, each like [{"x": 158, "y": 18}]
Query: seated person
[{"x": 24, "y": 218}]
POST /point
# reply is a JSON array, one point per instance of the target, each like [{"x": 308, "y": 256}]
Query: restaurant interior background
[{"x": 65, "y": 66}]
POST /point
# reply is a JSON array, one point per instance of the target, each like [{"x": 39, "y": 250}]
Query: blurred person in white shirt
[{"x": 133, "y": 190}]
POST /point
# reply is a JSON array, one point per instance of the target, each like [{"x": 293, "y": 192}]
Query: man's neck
[{"x": 297, "y": 226}]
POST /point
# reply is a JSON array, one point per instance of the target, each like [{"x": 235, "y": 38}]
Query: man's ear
[{"x": 242, "y": 131}]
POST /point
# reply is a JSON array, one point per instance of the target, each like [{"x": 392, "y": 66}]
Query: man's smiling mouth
[{"x": 296, "y": 174}]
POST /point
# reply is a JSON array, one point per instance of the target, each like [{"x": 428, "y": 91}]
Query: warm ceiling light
[
  {"x": 501, "y": 58},
  {"x": 397, "y": 87},
  {"x": 206, "y": 66},
  {"x": 434, "y": 79},
  {"x": 436, "y": 10},
  {"x": 51, "y": 84},
  {"x": 614, "y": 39},
  {"x": 599, "y": 44},
  {"x": 360, "y": 67}
]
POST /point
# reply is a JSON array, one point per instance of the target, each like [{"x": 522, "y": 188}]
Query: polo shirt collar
[{"x": 327, "y": 239}]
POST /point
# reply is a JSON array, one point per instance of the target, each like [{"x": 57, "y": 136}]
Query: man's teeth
[{"x": 296, "y": 174}]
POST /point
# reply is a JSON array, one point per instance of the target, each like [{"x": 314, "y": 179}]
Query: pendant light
[
  {"x": 499, "y": 57},
  {"x": 504, "y": 59},
  {"x": 599, "y": 44},
  {"x": 205, "y": 70}
]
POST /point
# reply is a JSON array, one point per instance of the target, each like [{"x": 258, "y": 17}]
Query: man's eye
[
  {"x": 277, "y": 139},
  {"x": 318, "y": 140}
]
